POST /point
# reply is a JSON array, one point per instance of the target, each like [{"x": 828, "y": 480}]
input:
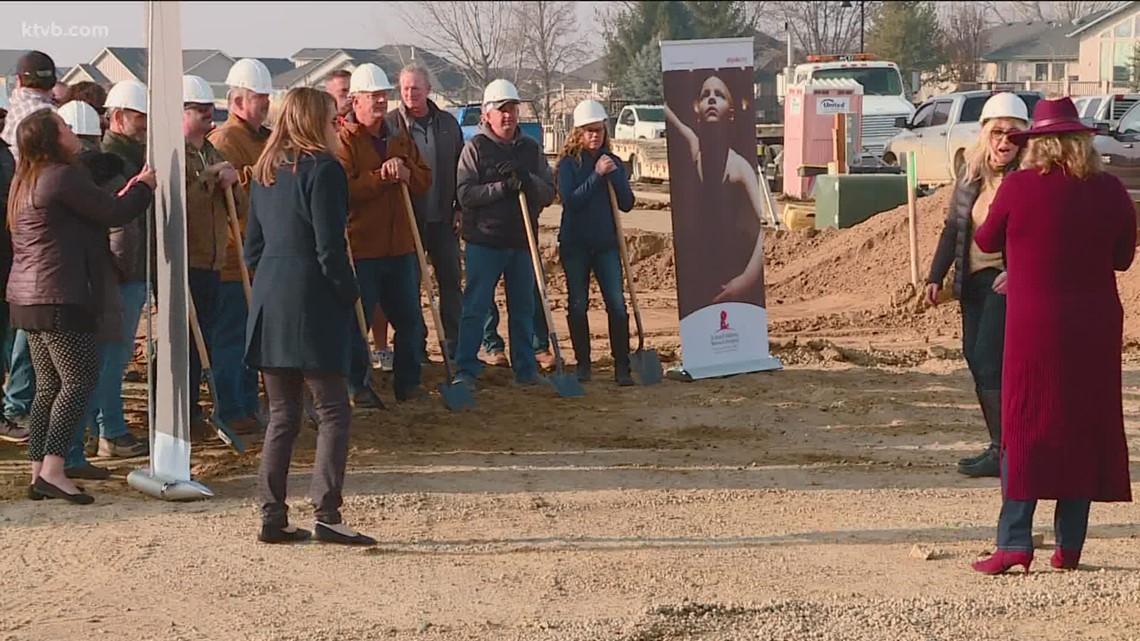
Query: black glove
[
  {"x": 513, "y": 183},
  {"x": 506, "y": 168}
]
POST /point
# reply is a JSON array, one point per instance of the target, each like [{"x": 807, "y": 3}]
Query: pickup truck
[
  {"x": 469, "y": 117},
  {"x": 1119, "y": 149},
  {"x": 940, "y": 132},
  {"x": 1108, "y": 108},
  {"x": 640, "y": 122}
]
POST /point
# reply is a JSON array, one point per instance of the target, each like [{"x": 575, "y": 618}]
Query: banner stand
[
  {"x": 719, "y": 207},
  {"x": 168, "y": 475}
]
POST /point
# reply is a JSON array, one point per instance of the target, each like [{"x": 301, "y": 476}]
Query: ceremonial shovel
[
  {"x": 456, "y": 396},
  {"x": 567, "y": 386},
  {"x": 645, "y": 361},
  {"x": 224, "y": 431}
]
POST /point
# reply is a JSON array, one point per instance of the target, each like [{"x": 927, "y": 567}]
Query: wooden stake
[
  {"x": 839, "y": 143},
  {"x": 912, "y": 216}
]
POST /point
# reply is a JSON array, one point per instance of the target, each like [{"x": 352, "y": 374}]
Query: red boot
[
  {"x": 1002, "y": 560},
  {"x": 1065, "y": 559}
]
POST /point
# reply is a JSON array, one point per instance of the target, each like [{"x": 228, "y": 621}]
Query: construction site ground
[{"x": 817, "y": 502}]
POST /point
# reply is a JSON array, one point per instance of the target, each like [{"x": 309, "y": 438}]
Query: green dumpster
[{"x": 846, "y": 200}]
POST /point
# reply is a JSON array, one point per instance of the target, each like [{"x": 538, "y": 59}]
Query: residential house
[
  {"x": 312, "y": 65},
  {"x": 1107, "y": 43}
]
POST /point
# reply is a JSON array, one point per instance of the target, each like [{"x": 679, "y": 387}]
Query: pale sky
[{"x": 266, "y": 29}]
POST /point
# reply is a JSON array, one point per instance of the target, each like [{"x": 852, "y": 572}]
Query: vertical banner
[
  {"x": 170, "y": 414},
  {"x": 717, "y": 206}
]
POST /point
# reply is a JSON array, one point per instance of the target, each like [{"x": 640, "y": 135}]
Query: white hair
[{"x": 417, "y": 68}]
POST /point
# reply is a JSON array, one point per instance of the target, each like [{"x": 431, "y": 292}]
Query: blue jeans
[
  {"x": 540, "y": 338},
  {"x": 106, "y": 409},
  {"x": 1015, "y": 524},
  {"x": 21, "y": 387},
  {"x": 393, "y": 284},
  {"x": 983, "y": 329},
  {"x": 578, "y": 262},
  {"x": 236, "y": 383},
  {"x": 204, "y": 288},
  {"x": 485, "y": 265}
]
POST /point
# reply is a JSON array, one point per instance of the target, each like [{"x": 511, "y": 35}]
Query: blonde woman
[
  {"x": 303, "y": 296},
  {"x": 979, "y": 277},
  {"x": 1065, "y": 226},
  {"x": 587, "y": 237}
]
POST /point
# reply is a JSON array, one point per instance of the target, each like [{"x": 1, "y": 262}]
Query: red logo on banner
[{"x": 724, "y": 327}]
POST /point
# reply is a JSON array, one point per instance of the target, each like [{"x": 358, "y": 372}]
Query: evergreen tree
[
  {"x": 713, "y": 19},
  {"x": 642, "y": 79},
  {"x": 908, "y": 33}
]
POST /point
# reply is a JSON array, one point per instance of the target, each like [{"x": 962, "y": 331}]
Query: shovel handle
[
  {"x": 624, "y": 251},
  {"x": 235, "y": 229},
  {"x": 425, "y": 277},
  {"x": 540, "y": 278},
  {"x": 360, "y": 321},
  {"x": 196, "y": 330}
]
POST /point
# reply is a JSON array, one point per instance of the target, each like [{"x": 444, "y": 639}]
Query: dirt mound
[{"x": 650, "y": 257}]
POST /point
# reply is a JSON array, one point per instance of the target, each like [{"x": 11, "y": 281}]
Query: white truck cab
[
  {"x": 884, "y": 98},
  {"x": 644, "y": 122}
]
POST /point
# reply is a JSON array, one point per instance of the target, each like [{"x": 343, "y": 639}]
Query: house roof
[
  {"x": 292, "y": 76},
  {"x": 277, "y": 65},
  {"x": 1093, "y": 19},
  {"x": 390, "y": 58},
  {"x": 1029, "y": 41},
  {"x": 93, "y": 72},
  {"x": 135, "y": 58},
  {"x": 314, "y": 53}
]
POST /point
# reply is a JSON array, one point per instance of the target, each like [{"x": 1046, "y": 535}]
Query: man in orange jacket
[{"x": 378, "y": 162}]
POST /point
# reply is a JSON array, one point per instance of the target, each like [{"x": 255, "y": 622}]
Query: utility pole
[{"x": 846, "y": 4}]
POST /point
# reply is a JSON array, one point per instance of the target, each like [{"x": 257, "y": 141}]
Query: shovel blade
[
  {"x": 456, "y": 396},
  {"x": 567, "y": 385},
  {"x": 224, "y": 432},
  {"x": 647, "y": 365}
]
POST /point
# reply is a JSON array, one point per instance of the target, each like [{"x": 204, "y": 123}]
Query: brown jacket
[
  {"x": 242, "y": 147},
  {"x": 377, "y": 218},
  {"x": 207, "y": 220}
]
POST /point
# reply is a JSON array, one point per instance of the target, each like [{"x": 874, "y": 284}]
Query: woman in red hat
[{"x": 1064, "y": 226}]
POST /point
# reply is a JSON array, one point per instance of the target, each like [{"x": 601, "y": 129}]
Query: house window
[
  {"x": 1041, "y": 71},
  {"x": 1123, "y": 30},
  {"x": 1058, "y": 71},
  {"x": 1122, "y": 61},
  {"x": 1003, "y": 72}
]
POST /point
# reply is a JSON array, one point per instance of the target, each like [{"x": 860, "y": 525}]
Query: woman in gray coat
[{"x": 304, "y": 292}]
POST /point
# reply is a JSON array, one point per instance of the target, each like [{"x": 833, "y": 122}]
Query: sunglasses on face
[
  {"x": 594, "y": 130},
  {"x": 998, "y": 134}
]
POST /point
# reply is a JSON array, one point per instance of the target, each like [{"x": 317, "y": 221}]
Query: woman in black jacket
[
  {"x": 61, "y": 287},
  {"x": 304, "y": 292},
  {"x": 979, "y": 278}
]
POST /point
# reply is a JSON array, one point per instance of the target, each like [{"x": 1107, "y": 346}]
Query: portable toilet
[{"x": 809, "y": 119}]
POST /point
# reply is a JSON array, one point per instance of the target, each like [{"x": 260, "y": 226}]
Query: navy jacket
[
  {"x": 587, "y": 217},
  {"x": 304, "y": 290}
]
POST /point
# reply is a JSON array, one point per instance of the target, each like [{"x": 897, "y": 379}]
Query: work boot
[
  {"x": 367, "y": 399},
  {"x": 990, "y": 462},
  {"x": 125, "y": 446},
  {"x": 13, "y": 432},
  {"x": 971, "y": 460},
  {"x": 497, "y": 359},
  {"x": 546, "y": 360},
  {"x": 619, "y": 347},
  {"x": 580, "y": 339}
]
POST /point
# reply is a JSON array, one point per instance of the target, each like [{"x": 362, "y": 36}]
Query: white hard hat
[
  {"x": 4, "y": 99},
  {"x": 81, "y": 117},
  {"x": 500, "y": 91},
  {"x": 127, "y": 94},
  {"x": 368, "y": 78},
  {"x": 1004, "y": 105},
  {"x": 588, "y": 112},
  {"x": 195, "y": 89},
  {"x": 252, "y": 74}
]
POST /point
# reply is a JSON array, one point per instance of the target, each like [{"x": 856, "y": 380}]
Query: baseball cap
[{"x": 35, "y": 64}]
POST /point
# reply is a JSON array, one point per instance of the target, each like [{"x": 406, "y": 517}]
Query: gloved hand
[
  {"x": 513, "y": 183},
  {"x": 506, "y": 168}
]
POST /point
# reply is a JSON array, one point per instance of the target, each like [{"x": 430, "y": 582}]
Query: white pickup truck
[
  {"x": 941, "y": 131},
  {"x": 640, "y": 122}
]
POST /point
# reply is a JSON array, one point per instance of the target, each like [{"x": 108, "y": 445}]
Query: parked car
[
  {"x": 1119, "y": 149},
  {"x": 1108, "y": 108},
  {"x": 941, "y": 131},
  {"x": 640, "y": 122},
  {"x": 470, "y": 115}
]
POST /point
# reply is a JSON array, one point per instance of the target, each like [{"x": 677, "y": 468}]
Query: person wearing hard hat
[
  {"x": 378, "y": 159},
  {"x": 440, "y": 141},
  {"x": 208, "y": 175},
  {"x": 9, "y": 431},
  {"x": 587, "y": 236},
  {"x": 496, "y": 165},
  {"x": 35, "y": 79},
  {"x": 241, "y": 140},
  {"x": 84, "y": 121},
  {"x": 980, "y": 277},
  {"x": 94, "y": 95}
]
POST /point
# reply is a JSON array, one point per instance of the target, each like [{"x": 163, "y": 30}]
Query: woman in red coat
[{"x": 1065, "y": 227}]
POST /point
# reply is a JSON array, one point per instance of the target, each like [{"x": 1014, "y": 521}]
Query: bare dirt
[{"x": 775, "y": 506}]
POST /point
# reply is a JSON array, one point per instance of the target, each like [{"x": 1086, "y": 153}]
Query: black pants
[
  {"x": 330, "y": 402},
  {"x": 983, "y": 329},
  {"x": 442, "y": 246},
  {"x": 204, "y": 290},
  {"x": 66, "y": 367}
]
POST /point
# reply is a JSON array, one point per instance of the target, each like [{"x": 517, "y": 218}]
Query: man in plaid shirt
[{"x": 35, "y": 78}]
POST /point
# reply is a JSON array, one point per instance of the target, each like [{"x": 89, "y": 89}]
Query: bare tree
[
  {"x": 552, "y": 43},
  {"x": 823, "y": 26},
  {"x": 1037, "y": 11},
  {"x": 965, "y": 40},
  {"x": 475, "y": 35}
]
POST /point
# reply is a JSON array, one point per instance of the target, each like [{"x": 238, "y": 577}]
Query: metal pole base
[{"x": 167, "y": 489}]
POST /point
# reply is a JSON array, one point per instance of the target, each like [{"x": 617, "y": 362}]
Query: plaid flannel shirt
[{"x": 24, "y": 102}]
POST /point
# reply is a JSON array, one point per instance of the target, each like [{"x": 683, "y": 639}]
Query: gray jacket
[{"x": 448, "y": 146}]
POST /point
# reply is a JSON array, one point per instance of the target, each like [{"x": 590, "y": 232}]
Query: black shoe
[
  {"x": 582, "y": 371},
  {"x": 619, "y": 349},
  {"x": 411, "y": 394},
  {"x": 580, "y": 340},
  {"x": 87, "y": 472},
  {"x": 366, "y": 399},
  {"x": 622, "y": 375},
  {"x": 340, "y": 534},
  {"x": 34, "y": 495},
  {"x": 975, "y": 459},
  {"x": 52, "y": 492},
  {"x": 989, "y": 466},
  {"x": 287, "y": 534}
]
